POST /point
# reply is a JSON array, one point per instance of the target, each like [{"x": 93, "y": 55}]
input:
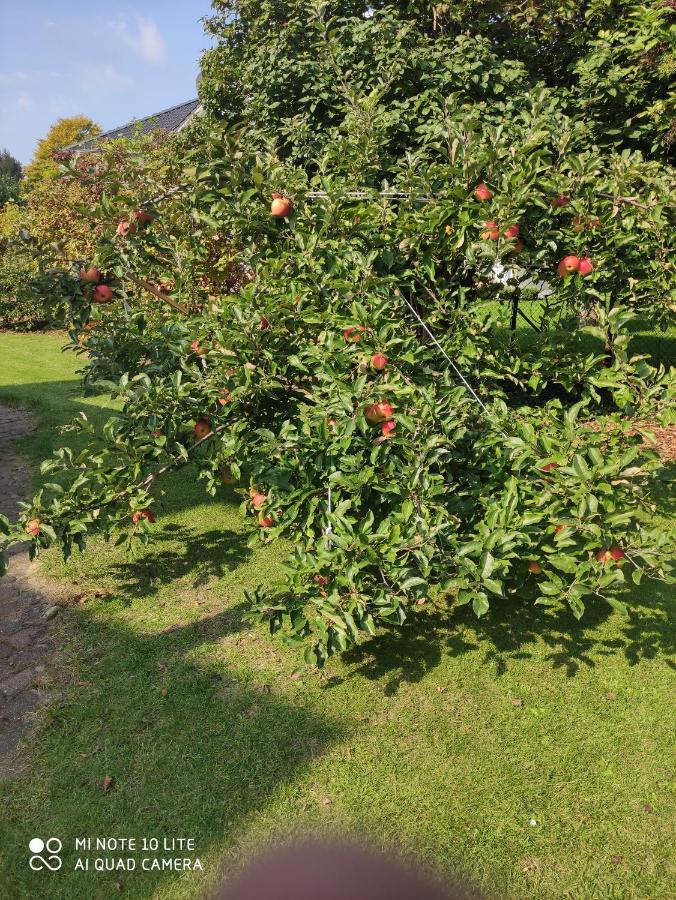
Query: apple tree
[{"x": 313, "y": 307}]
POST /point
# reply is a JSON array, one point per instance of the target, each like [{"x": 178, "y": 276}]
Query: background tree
[
  {"x": 10, "y": 188},
  {"x": 9, "y": 165},
  {"x": 63, "y": 133},
  {"x": 20, "y": 305},
  {"x": 612, "y": 60},
  {"x": 10, "y": 177}
]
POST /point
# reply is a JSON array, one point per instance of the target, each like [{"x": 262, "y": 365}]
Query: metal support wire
[
  {"x": 370, "y": 195},
  {"x": 457, "y": 371},
  {"x": 329, "y": 528}
]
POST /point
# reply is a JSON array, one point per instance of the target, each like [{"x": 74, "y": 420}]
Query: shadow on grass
[
  {"x": 659, "y": 346},
  {"x": 54, "y": 404},
  {"x": 201, "y": 554},
  {"x": 194, "y": 748},
  {"x": 661, "y": 490},
  {"x": 508, "y": 633},
  {"x": 404, "y": 655}
]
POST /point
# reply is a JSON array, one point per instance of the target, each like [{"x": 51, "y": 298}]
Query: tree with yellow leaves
[{"x": 64, "y": 132}]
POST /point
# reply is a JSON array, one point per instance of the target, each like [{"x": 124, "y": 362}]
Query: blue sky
[{"x": 110, "y": 61}]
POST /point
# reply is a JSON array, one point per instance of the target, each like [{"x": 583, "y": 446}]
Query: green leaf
[
  {"x": 488, "y": 561},
  {"x": 617, "y": 605},
  {"x": 495, "y": 587},
  {"x": 577, "y": 606},
  {"x": 480, "y": 604}
]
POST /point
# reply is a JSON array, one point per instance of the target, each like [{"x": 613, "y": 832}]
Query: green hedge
[{"x": 19, "y": 307}]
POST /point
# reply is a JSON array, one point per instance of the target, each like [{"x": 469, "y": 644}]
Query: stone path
[{"x": 25, "y": 642}]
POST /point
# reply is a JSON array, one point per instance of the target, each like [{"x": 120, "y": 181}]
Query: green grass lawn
[{"x": 443, "y": 741}]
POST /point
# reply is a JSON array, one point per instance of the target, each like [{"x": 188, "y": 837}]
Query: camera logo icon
[{"x": 45, "y": 854}]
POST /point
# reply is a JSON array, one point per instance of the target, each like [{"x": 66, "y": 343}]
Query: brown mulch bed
[
  {"x": 665, "y": 440},
  {"x": 664, "y": 437}
]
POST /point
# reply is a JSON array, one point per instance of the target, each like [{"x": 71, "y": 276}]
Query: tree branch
[{"x": 147, "y": 286}]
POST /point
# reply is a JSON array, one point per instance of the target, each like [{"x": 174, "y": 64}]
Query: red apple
[
  {"x": 90, "y": 275},
  {"x": 378, "y": 412},
  {"x": 143, "y": 514},
  {"x": 266, "y": 521},
  {"x": 611, "y": 554},
  {"x": 568, "y": 265},
  {"x": 512, "y": 231},
  {"x": 379, "y": 361},
  {"x": 387, "y": 428},
  {"x": 102, "y": 294},
  {"x": 142, "y": 217},
  {"x": 197, "y": 348},
  {"x": 125, "y": 228},
  {"x": 585, "y": 266},
  {"x": 33, "y": 527},
  {"x": 258, "y": 499},
  {"x": 534, "y": 567},
  {"x": 491, "y": 233},
  {"x": 202, "y": 429},
  {"x": 482, "y": 193},
  {"x": 561, "y": 200},
  {"x": 352, "y": 333},
  {"x": 281, "y": 207},
  {"x": 331, "y": 422},
  {"x": 265, "y": 322},
  {"x": 226, "y": 475}
]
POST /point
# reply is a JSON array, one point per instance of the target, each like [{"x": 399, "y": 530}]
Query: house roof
[{"x": 171, "y": 119}]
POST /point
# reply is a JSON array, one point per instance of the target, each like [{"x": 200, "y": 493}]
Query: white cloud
[
  {"x": 145, "y": 40},
  {"x": 24, "y": 100},
  {"x": 151, "y": 44}
]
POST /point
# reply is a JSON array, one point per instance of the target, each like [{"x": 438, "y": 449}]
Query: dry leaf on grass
[{"x": 530, "y": 865}]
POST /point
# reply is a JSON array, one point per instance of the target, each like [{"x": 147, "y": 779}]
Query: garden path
[{"x": 25, "y": 641}]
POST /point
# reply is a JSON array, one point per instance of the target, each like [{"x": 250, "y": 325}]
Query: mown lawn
[{"x": 445, "y": 741}]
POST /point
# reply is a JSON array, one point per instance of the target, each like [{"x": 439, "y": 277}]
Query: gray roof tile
[{"x": 167, "y": 120}]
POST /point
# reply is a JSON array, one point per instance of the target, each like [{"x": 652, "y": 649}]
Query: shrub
[{"x": 18, "y": 306}]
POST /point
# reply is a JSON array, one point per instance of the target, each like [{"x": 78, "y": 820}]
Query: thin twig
[
  {"x": 146, "y": 285},
  {"x": 630, "y": 200}
]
